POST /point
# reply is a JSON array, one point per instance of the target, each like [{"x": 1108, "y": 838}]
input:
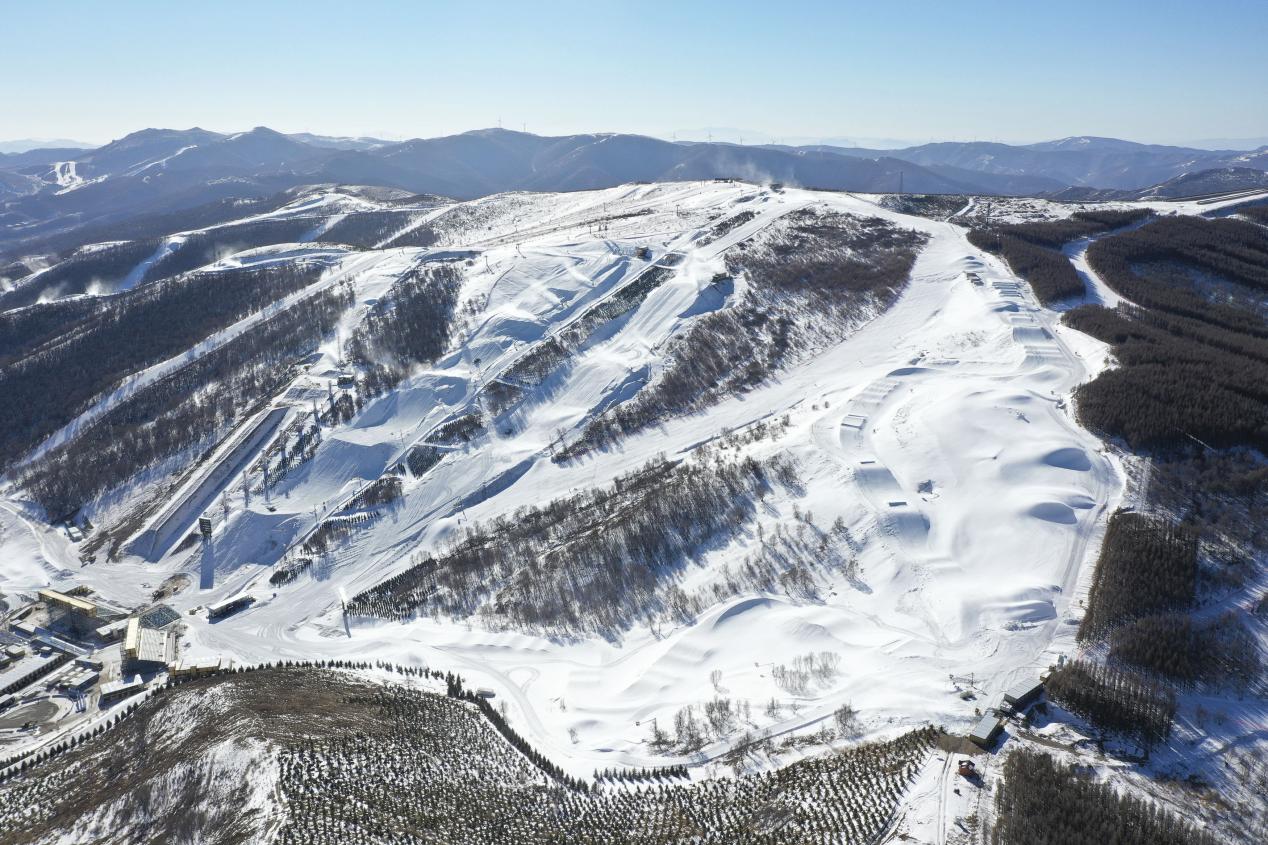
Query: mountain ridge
[{"x": 43, "y": 192}]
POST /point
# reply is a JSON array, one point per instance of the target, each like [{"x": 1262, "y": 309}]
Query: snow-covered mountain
[{"x": 43, "y": 192}]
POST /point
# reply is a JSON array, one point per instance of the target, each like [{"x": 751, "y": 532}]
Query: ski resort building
[
  {"x": 28, "y": 671},
  {"x": 115, "y": 690},
  {"x": 987, "y": 731},
  {"x": 147, "y": 646},
  {"x": 79, "y": 679},
  {"x": 1022, "y": 695},
  {"x": 228, "y": 606},
  {"x": 200, "y": 668}
]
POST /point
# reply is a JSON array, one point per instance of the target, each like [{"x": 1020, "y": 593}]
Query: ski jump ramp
[{"x": 200, "y": 492}]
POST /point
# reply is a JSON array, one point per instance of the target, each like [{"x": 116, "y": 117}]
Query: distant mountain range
[
  {"x": 1217, "y": 180},
  {"x": 1074, "y": 162},
  {"x": 45, "y": 190},
  {"x": 21, "y": 145}
]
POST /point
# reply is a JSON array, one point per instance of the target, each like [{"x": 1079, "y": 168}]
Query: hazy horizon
[
  {"x": 715, "y": 134},
  {"x": 805, "y": 73}
]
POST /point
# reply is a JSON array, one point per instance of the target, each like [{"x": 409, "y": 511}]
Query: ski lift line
[{"x": 1206, "y": 446}]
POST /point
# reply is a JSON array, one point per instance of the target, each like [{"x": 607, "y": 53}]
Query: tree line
[
  {"x": 1190, "y": 267},
  {"x": 1190, "y": 651},
  {"x": 591, "y": 562},
  {"x": 1193, "y": 356},
  {"x": 1114, "y": 699},
  {"x": 1032, "y": 250},
  {"x": 1147, "y": 565},
  {"x": 812, "y": 277},
  {"x": 201, "y": 248},
  {"x": 25, "y": 330},
  {"x": 412, "y": 322},
  {"x": 99, "y": 270},
  {"x": 360, "y": 761},
  {"x": 50, "y": 385},
  {"x": 154, "y": 225},
  {"x": 367, "y": 229},
  {"x": 1179, "y": 381},
  {"x": 189, "y": 410},
  {"x": 1255, "y": 213},
  {"x": 1045, "y": 802}
]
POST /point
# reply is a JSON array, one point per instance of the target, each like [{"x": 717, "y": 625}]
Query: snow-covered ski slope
[{"x": 939, "y": 432}]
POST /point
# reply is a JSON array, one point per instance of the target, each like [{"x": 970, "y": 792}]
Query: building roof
[
  {"x": 156, "y": 646},
  {"x": 148, "y": 645},
  {"x": 206, "y": 664},
  {"x": 986, "y": 729},
  {"x": 1022, "y": 691},
  {"x": 159, "y": 616},
  {"x": 115, "y": 687},
  {"x": 116, "y": 627},
  {"x": 229, "y": 604},
  {"x": 80, "y": 679}
]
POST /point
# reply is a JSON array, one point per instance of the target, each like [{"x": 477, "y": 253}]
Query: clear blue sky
[{"x": 1161, "y": 70}]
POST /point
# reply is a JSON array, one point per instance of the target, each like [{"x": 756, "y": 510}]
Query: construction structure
[
  {"x": 69, "y": 603},
  {"x": 113, "y": 632},
  {"x": 147, "y": 648},
  {"x": 74, "y": 614},
  {"x": 172, "y": 522}
]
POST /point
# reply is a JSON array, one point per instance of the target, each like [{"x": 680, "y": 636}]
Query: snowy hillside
[
  {"x": 947, "y": 499},
  {"x": 663, "y": 468}
]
